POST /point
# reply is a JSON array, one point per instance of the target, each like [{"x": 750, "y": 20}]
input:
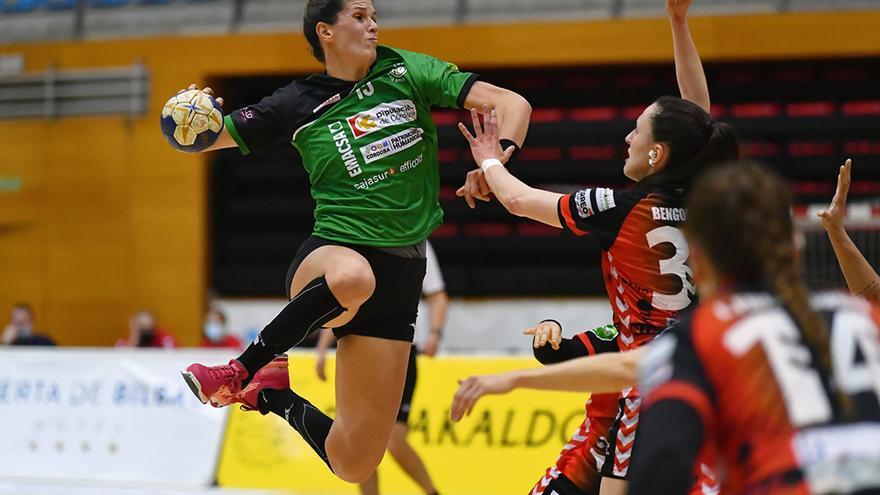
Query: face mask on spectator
[{"x": 214, "y": 331}]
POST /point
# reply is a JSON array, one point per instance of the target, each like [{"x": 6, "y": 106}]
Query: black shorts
[
  {"x": 390, "y": 313},
  {"x": 412, "y": 374}
]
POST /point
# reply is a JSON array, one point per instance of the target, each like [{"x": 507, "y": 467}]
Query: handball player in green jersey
[{"x": 365, "y": 134}]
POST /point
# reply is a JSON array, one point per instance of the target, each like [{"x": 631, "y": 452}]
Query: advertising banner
[
  {"x": 107, "y": 416},
  {"x": 502, "y": 448}
]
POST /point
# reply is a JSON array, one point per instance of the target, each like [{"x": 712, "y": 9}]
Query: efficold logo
[
  {"x": 382, "y": 116},
  {"x": 406, "y": 166},
  {"x": 391, "y": 145}
]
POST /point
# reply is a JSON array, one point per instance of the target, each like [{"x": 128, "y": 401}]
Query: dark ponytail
[
  {"x": 695, "y": 142},
  {"x": 319, "y": 11},
  {"x": 740, "y": 215}
]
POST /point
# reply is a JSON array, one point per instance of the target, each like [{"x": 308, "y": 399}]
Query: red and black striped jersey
[
  {"x": 583, "y": 456},
  {"x": 737, "y": 371},
  {"x": 644, "y": 258},
  {"x": 593, "y": 451}
]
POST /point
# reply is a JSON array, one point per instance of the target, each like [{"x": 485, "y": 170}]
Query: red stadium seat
[
  {"x": 755, "y": 110},
  {"x": 811, "y": 148},
  {"x": 604, "y": 152},
  {"x": 869, "y": 107},
  {"x": 593, "y": 114},
  {"x": 811, "y": 109}
]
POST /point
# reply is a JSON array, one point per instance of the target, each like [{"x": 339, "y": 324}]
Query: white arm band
[{"x": 489, "y": 163}]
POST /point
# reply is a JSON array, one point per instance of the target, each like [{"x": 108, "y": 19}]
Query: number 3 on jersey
[{"x": 673, "y": 266}]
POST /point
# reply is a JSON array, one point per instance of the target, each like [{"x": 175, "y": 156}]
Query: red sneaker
[
  {"x": 216, "y": 385},
  {"x": 272, "y": 376}
]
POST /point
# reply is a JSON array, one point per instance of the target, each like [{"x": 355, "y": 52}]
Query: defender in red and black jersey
[
  {"x": 737, "y": 373},
  {"x": 578, "y": 469},
  {"x": 785, "y": 385},
  {"x": 644, "y": 254},
  {"x": 646, "y": 276}
]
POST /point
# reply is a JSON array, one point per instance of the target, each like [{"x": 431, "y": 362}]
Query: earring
[{"x": 652, "y": 157}]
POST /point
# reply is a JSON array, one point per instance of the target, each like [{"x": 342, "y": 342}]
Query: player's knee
[
  {"x": 397, "y": 443},
  {"x": 352, "y": 282},
  {"x": 396, "y": 447},
  {"x": 355, "y": 472}
]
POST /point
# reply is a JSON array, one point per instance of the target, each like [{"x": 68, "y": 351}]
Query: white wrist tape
[{"x": 489, "y": 163}]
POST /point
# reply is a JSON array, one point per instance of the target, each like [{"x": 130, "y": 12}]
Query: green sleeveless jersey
[{"x": 369, "y": 147}]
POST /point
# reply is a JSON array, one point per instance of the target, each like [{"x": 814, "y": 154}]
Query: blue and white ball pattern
[{"x": 192, "y": 120}]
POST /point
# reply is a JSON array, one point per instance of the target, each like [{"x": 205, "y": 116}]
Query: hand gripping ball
[{"x": 192, "y": 120}]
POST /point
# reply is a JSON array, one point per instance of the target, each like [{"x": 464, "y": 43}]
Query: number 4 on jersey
[{"x": 853, "y": 335}]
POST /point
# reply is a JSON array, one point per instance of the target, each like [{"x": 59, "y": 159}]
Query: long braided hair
[{"x": 740, "y": 215}]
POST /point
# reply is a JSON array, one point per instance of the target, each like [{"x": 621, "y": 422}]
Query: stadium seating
[
  {"x": 28, "y": 24},
  {"x": 492, "y": 10},
  {"x": 803, "y": 5},
  {"x": 120, "y": 18},
  {"x": 272, "y": 15},
  {"x": 653, "y": 8},
  {"x": 31, "y": 20},
  {"x": 799, "y": 117},
  {"x": 418, "y": 12}
]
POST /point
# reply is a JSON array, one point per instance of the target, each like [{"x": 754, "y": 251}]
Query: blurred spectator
[
  {"x": 144, "y": 331},
  {"x": 20, "y": 330},
  {"x": 215, "y": 333}
]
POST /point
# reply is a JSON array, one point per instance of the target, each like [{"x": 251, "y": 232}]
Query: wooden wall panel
[
  {"x": 22, "y": 230},
  {"x": 22, "y": 263},
  {"x": 88, "y": 254},
  {"x": 22, "y": 158},
  {"x": 111, "y": 219}
]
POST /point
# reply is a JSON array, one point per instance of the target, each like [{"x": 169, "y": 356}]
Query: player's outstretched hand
[
  {"x": 207, "y": 91},
  {"x": 677, "y": 9},
  {"x": 485, "y": 143},
  {"x": 832, "y": 218},
  {"x": 470, "y": 391},
  {"x": 544, "y": 333}
]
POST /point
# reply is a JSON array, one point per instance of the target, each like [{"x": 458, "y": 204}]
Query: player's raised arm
[
  {"x": 512, "y": 109},
  {"x": 688, "y": 66},
  {"x": 513, "y": 112},
  {"x": 224, "y": 141},
  {"x": 517, "y": 197},
  {"x": 861, "y": 278},
  {"x": 603, "y": 373}
]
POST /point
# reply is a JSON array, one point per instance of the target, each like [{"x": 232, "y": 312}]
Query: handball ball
[{"x": 192, "y": 120}]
